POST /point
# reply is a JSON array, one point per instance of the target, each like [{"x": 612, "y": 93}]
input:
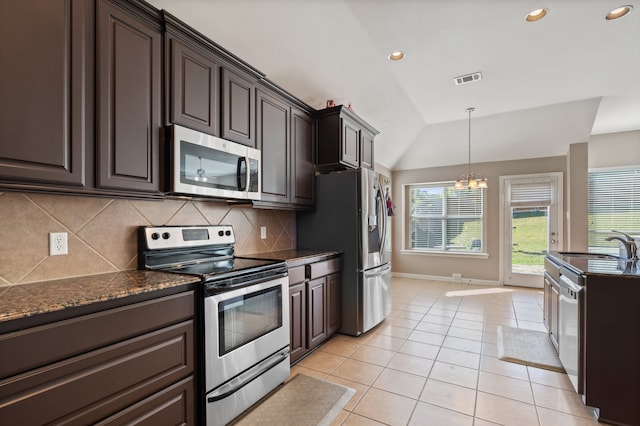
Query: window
[
  {"x": 614, "y": 203},
  {"x": 445, "y": 219}
]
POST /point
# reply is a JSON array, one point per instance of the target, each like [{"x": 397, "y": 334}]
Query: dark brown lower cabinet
[
  {"x": 334, "y": 303},
  {"x": 317, "y": 303},
  {"x": 315, "y": 294},
  {"x": 298, "y": 322},
  {"x": 171, "y": 406},
  {"x": 140, "y": 369}
]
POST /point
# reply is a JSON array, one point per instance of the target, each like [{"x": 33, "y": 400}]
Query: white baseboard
[{"x": 438, "y": 278}]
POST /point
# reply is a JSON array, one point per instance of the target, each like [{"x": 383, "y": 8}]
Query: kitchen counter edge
[
  {"x": 29, "y": 304},
  {"x": 620, "y": 268},
  {"x": 296, "y": 257}
]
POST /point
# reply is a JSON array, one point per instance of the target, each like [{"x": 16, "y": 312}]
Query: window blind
[
  {"x": 531, "y": 194},
  {"x": 614, "y": 203},
  {"x": 445, "y": 219}
]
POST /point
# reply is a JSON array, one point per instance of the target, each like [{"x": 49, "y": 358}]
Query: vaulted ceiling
[{"x": 545, "y": 84}]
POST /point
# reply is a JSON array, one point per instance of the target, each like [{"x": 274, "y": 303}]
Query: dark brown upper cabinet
[
  {"x": 344, "y": 140},
  {"x": 238, "y": 107},
  {"x": 193, "y": 92},
  {"x": 129, "y": 104},
  {"x": 46, "y": 92},
  {"x": 286, "y": 139},
  {"x": 366, "y": 149},
  {"x": 350, "y": 146},
  {"x": 273, "y": 117},
  {"x": 303, "y": 148},
  {"x": 209, "y": 89}
]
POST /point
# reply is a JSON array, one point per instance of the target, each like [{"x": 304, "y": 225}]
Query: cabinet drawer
[
  {"x": 297, "y": 274},
  {"x": 34, "y": 347},
  {"x": 171, "y": 406},
  {"x": 320, "y": 269},
  {"x": 89, "y": 387}
]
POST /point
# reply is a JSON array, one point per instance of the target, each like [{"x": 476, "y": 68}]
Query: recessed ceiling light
[
  {"x": 396, "y": 56},
  {"x": 618, "y": 12},
  {"x": 536, "y": 14}
]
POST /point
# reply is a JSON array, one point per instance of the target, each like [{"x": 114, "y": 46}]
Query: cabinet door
[
  {"x": 334, "y": 303},
  {"x": 129, "y": 100},
  {"x": 46, "y": 90},
  {"x": 303, "y": 147},
  {"x": 238, "y": 108},
  {"x": 273, "y": 142},
  {"x": 316, "y": 303},
  {"x": 546, "y": 317},
  {"x": 555, "y": 303},
  {"x": 350, "y": 143},
  {"x": 366, "y": 149},
  {"x": 85, "y": 388},
  {"x": 194, "y": 88},
  {"x": 298, "y": 323},
  {"x": 171, "y": 406}
]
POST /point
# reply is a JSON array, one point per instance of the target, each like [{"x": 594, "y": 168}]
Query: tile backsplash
[{"x": 102, "y": 232}]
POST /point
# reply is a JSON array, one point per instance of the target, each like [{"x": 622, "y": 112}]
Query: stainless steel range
[{"x": 245, "y": 313}]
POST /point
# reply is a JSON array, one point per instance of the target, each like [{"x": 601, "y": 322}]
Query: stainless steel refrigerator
[{"x": 351, "y": 216}]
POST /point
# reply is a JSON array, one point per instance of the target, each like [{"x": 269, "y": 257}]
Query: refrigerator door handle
[
  {"x": 383, "y": 222},
  {"x": 376, "y": 272}
]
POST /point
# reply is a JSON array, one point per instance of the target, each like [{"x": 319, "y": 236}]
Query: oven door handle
[{"x": 237, "y": 383}]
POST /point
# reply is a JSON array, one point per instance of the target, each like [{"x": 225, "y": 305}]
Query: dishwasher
[{"x": 570, "y": 333}]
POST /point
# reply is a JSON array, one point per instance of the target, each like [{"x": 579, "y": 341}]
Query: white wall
[
  {"x": 483, "y": 269},
  {"x": 614, "y": 150}
]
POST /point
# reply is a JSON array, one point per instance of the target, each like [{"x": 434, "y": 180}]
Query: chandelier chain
[{"x": 470, "y": 181}]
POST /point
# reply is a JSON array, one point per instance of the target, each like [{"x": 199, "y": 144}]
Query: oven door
[
  {"x": 206, "y": 165},
  {"x": 243, "y": 328}
]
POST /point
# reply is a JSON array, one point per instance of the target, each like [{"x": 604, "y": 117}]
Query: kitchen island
[{"x": 609, "y": 340}]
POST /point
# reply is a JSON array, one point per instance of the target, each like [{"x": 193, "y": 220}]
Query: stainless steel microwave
[{"x": 205, "y": 165}]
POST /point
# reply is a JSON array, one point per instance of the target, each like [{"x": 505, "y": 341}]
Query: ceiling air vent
[{"x": 469, "y": 78}]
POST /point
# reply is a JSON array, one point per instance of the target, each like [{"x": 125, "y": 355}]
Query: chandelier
[{"x": 470, "y": 180}]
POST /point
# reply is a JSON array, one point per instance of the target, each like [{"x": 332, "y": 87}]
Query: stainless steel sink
[{"x": 584, "y": 255}]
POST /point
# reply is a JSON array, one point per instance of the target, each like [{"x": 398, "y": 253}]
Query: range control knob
[
  {"x": 227, "y": 233},
  {"x": 166, "y": 235},
  {"x": 155, "y": 236},
  {"x": 220, "y": 233}
]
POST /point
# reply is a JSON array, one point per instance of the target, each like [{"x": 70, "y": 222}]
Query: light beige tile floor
[{"x": 433, "y": 361}]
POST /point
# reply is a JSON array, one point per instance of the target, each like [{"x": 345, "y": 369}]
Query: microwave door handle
[
  {"x": 241, "y": 160},
  {"x": 248, "y": 169}
]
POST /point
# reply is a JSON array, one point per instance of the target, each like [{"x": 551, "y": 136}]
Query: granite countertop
[
  {"x": 598, "y": 266},
  {"x": 25, "y": 300},
  {"x": 295, "y": 257}
]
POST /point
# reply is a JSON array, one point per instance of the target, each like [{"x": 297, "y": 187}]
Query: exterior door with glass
[{"x": 531, "y": 226}]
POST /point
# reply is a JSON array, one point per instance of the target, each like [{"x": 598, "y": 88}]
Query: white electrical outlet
[
  {"x": 456, "y": 277},
  {"x": 58, "y": 243},
  {"x": 263, "y": 232}
]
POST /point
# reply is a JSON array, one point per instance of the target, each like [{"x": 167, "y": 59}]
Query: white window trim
[{"x": 484, "y": 254}]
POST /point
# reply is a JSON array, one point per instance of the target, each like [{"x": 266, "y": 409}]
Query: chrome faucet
[{"x": 628, "y": 242}]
